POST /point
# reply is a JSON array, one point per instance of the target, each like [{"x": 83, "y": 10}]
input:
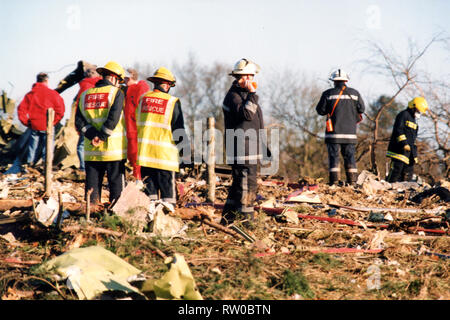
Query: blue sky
[{"x": 309, "y": 36}]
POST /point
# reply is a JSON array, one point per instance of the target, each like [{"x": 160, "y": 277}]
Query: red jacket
[
  {"x": 134, "y": 91},
  {"x": 32, "y": 111},
  {"x": 85, "y": 84}
]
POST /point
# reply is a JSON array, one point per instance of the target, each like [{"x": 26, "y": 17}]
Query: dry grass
[{"x": 280, "y": 265}]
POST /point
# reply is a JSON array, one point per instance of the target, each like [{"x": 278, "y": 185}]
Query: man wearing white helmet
[
  {"x": 243, "y": 119},
  {"x": 343, "y": 107}
]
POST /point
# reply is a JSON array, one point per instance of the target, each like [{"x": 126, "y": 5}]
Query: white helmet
[
  {"x": 245, "y": 66},
  {"x": 339, "y": 75}
]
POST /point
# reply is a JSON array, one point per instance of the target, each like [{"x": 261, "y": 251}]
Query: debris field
[{"x": 309, "y": 240}]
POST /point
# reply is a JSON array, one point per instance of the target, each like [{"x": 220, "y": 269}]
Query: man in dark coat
[
  {"x": 402, "y": 148},
  {"x": 243, "y": 121},
  {"x": 343, "y": 107}
]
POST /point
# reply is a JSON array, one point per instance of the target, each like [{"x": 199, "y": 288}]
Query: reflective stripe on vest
[
  {"x": 412, "y": 125},
  {"x": 95, "y": 104},
  {"x": 156, "y": 148},
  {"x": 340, "y": 136},
  {"x": 397, "y": 156}
]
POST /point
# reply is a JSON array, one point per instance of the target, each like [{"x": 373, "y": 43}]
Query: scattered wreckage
[{"x": 343, "y": 225}]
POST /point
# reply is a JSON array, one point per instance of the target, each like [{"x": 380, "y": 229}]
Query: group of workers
[
  {"x": 119, "y": 117},
  {"x": 343, "y": 107}
]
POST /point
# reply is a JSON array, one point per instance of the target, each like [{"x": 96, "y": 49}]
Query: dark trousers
[
  {"x": 348, "y": 153},
  {"x": 401, "y": 171},
  {"x": 95, "y": 172},
  {"x": 242, "y": 193},
  {"x": 159, "y": 184}
]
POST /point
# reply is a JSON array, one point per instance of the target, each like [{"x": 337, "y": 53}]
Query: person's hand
[
  {"x": 407, "y": 147},
  {"x": 249, "y": 86},
  {"x": 96, "y": 142}
]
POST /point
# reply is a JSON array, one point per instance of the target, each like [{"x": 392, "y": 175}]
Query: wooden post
[
  {"x": 211, "y": 161},
  {"x": 61, "y": 211},
  {"x": 49, "y": 152},
  {"x": 88, "y": 204}
]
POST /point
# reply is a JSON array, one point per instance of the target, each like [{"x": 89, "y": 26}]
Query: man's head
[
  {"x": 42, "y": 77},
  {"x": 339, "y": 76},
  {"x": 113, "y": 72},
  {"x": 92, "y": 73},
  {"x": 244, "y": 70},
  {"x": 244, "y": 67},
  {"x": 163, "y": 79},
  {"x": 419, "y": 105},
  {"x": 131, "y": 77}
]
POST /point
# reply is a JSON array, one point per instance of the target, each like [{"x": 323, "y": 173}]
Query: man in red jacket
[
  {"x": 133, "y": 90},
  {"x": 32, "y": 112}
]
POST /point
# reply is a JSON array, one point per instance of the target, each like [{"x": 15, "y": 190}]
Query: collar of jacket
[
  {"x": 39, "y": 85},
  {"x": 411, "y": 112},
  {"x": 236, "y": 87},
  {"x": 340, "y": 84},
  {"x": 103, "y": 82},
  {"x": 91, "y": 81}
]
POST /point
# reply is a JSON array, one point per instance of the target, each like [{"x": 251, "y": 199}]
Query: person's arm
[
  {"x": 59, "y": 108},
  {"x": 248, "y": 109},
  {"x": 321, "y": 107},
  {"x": 113, "y": 116},
  {"x": 398, "y": 131},
  {"x": 179, "y": 133},
  {"x": 22, "y": 110},
  {"x": 360, "y": 107},
  {"x": 83, "y": 126}
]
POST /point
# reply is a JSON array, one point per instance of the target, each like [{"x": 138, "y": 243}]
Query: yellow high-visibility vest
[
  {"x": 95, "y": 104},
  {"x": 156, "y": 148}
]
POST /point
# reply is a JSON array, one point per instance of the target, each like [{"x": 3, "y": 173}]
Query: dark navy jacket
[
  {"x": 346, "y": 115},
  {"x": 404, "y": 132},
  {"x": 243, "y": 120}
]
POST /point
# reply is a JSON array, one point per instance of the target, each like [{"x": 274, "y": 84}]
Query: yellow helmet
[
  {"x": 113, "y": 67},
  {"x": 419, "y": 103},
  {"x": 164, "y": 74}
]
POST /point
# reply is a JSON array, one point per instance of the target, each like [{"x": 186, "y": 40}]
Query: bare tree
[
  {"x": 189, "y": 89},
  {"x": 291, "y": 100},
  {"x": 402, "y": 71}
]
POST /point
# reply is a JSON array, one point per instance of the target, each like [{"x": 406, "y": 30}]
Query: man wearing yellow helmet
[
  {"x": 160, "y": 125},
  {"x": 99, "y": 117},
  {"x": 402, "y": 149}
]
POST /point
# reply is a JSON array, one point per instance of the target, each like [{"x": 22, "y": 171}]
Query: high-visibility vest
[
  {"x": 156, "y": 148},
  {"x": 95, "y": 104}
]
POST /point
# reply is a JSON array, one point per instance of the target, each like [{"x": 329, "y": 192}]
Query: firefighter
[
  {"x": 99, "y": 118},
  {"x": 243, "y": 119},
  {"x": 133, "y": 90},
  {"x": 402, "y": 149},
  {"x": 343, "y": 107},
  {"x": 160, "y": 132},
  {"x": 91, "y": 78}
]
